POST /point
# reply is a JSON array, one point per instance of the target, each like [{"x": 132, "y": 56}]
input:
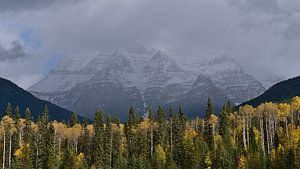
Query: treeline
[{"x": 249, "y": 138}]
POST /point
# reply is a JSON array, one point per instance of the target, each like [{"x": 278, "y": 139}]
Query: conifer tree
[
  {"x": 108, "y": 141},
  {"x": 27, "y": 127},
  {"x": 68, "y": 160},
  {"x": 74, "y": 119},
  {"x": 179, "y": 129},
  {"x": 208, "y": 129},
  {"x": 8, "y": 110},
  {"x": 131, "y": 133},
  {"x": 98, "y": 141},
  {"x": 161, "y": 130}
]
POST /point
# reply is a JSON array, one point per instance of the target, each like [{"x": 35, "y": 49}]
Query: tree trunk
[
  {"x": 286, "y": 128},
  {"x": 9, "y": 155},
  {"x": 244, "y": 132},
  {"x": 171, "y": 136},
  {"x": 151, "y": 137},
  {"x": 262, "y": 135},
  {"x": 3, "y": 162}
]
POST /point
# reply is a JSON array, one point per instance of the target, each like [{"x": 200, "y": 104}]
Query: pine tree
[
  {"x": 108, "y": 141},
  {"x": 131, "y": 133},
  {"x": 208, "y": 129},
  {"x": 98, "y": 141},
  {"x": 117, "y": 158},
  {"x": 27, "y": 127},
  {"x": 68, "y": 160},
  {"x": 74, "y": 119},
  {"x": 161, "y": 130},
  {"x": 8, "y": 110},
  {"x": 179, "y": 129},
  {"x": 170, "y": 163}
]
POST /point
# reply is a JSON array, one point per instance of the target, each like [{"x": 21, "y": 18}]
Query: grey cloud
[
  {"x": 16, "y": 50},
  {"x": 25, "y": 5},
  {"x": 16, "y": 5},
  {"x": 257, "y": 33}
]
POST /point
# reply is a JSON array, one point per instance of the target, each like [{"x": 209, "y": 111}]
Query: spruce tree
[
  {"x": 108, "y": 141},
  {"x": 27, "y": 128},
  {"x": 179, "y": 129},
  {"x": 68, "y": 160},
  {"x": 98, "y": 141},
  {"x": 131, "y": 134},
  {"x": 8, "y": 110},
  {"x": 208, "y": 131},
  {"x": 161, "y": 130},
  {"x": 74, "y": 119}
]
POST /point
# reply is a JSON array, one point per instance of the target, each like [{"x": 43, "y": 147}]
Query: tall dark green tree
[
  {"x": 131, "y": 136},
  {"x": 98, "y": 142},
  {"x": 68, "y": 161},
  {"x": 27, "y": 128},
  {"x": 178, "y": 130},
  {"x": 108, "y": 144},
  {"x": 8, "y": 110},
  {"x": 74, "y": 119},
  {"x": 161, "y": 130},
  {"x": 208, "y": 129}
]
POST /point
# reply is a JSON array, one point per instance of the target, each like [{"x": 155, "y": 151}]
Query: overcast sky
[{"x": 260, "y": 34}]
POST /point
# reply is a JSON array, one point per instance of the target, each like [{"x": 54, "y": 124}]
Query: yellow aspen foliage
[
  {"x": 283, "y": 112},
  {"x": 190, "y": 133},
  {"x": 208, "y": 161},
  {"x": 160, "y": 157},
  {"x": 242, "y": 162},
  {"x": 79, "y": 160}
]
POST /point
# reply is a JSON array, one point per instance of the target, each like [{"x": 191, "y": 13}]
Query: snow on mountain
[
  {"x": 115, "y": 80},
  {"x": 228, "y": 76}
]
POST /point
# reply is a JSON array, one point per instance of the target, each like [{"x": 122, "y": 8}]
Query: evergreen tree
[
  {"x": 161, "y": 130},
  {"x": 98, "y": 140},
  {"x": 118, "y": 161},
  {"x": 8, "y": 110},
  {"x": 74, "y": 119},
  {"x": 68, "y": 160},
  {"x": 27, "y": 128},
  {"x": 179, "y": 129},
  {"x": 108, "y": 141},
  {"x": 131, "y": 133},
  {"x": 208, "y": 129}
]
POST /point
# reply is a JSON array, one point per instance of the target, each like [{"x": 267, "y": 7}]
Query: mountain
[
  {"x": 11, "y": 93},
  {"x": 115, "y": 80},
  {"x": 283, "y": 91},
  {"x": 228, "y": 76}
]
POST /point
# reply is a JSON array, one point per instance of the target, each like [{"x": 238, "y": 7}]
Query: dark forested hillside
[
  {"x": 280, "y": 92},
  {"x": 16, "y": 96}
]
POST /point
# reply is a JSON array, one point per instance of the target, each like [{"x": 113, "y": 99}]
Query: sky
[{"x": 261, "y": 35}]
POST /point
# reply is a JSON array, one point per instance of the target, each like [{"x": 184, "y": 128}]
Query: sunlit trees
[{"x": 267, "y": 136}]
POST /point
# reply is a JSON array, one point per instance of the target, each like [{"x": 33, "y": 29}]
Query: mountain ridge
[
  {"x": 143, "y": 78},
  {"x": 280, "y": 92},
  {"x": 16, "y": 96}
]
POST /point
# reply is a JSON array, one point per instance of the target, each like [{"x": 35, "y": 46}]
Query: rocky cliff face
[{"x": 115, "y": 80}]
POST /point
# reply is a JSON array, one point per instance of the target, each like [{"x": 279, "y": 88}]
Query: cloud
[
  {"x": 258, "y": 33},
  {"x": 25, "y": 5},
  {"x": 14, "y": 51}
]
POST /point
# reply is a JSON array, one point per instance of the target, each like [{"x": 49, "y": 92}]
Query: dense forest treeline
[{"x": 250, "y": 138}]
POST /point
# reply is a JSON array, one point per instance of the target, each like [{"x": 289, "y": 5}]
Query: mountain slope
[
  {"x": 228, "y": 76},
  {"x": 115, "y": 80},
  {"x": 10, "y": 92},
  {"x": 282, "y": 91}
]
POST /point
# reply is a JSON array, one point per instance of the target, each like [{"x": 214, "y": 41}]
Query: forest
[{"x": 267, "y": 136}]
